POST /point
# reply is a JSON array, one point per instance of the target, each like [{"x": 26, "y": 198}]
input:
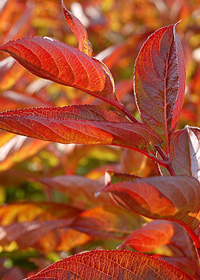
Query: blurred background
[{"x": 42, "y": 183}]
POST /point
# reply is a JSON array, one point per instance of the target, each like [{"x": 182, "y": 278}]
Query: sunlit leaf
[
  {"x": 32, "y": 211},
  {"x": 79, "y": 31},
  {"x": 60, "y": 63},
  {"x": 102, "y": 264},
  {"x": 81, "y": 125},
  {"x": 150, "y": 236},
  {"x": 173, "y": 198}
]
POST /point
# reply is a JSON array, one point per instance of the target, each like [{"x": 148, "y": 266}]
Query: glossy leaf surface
[
  {"x": 60, "y": 63},
  {"x": 159, "y": 82},
  {"x": 79, "y": 31},
  {"x": 107, "y": 265},
  {"x": 79, "y": 124},
  {"x": 173, "y": 198},
  {"x": 150, "y": 236}
]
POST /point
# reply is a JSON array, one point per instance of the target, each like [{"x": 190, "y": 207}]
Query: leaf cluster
[{"x": 101, "y": 160}]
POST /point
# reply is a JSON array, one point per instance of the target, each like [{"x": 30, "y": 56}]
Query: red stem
[
  {"x": 165, "y": 160},
  {"x": 120, "y": 107},
  {"x": 195, "y": 239},
  {"x": 129, "y": 115},
  {"x": 168, "y": 163}
]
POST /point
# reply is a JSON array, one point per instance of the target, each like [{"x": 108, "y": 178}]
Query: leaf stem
[
  {"x": 195, "y": 239},
  {"x": 168, "y": 163},
  {"x": 120, "y": 107},
  {"x": 129, "y": 115},
  {"x": 165, "y": 160}
]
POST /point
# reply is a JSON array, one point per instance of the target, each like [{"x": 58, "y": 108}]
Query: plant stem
[
  {"x": 129, "y": 115},
  {"x": 120, "y": 107},
  {"x": 195, "y": 239},
  {"x": 168, "y": 163},
  {"x": 165, "y": 160}
]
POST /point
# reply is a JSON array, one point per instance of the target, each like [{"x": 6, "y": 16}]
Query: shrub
[{"x": 149, "y": 202}]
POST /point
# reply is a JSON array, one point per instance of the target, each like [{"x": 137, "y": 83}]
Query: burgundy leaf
[
  {"x": 159, "y": 82},
  {"x": 181, "y": 244},
  {"x": 84, "y": 124},
  {"x": 186, "y": 152},
  {"x": 185, "y": 264}
]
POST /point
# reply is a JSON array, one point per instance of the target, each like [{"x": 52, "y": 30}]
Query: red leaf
[
  {"x": 84, "y": 124},
  {"x": 159, "y": 81},
  {"x": 119, "y": 264},
  {"x": 79, "y": 31},
  {"x": 174, "y": 198},
  {"x": 63, "y": 64},
  {"x": 186, "y": 152},
  {"x": 150, "y": 236}
]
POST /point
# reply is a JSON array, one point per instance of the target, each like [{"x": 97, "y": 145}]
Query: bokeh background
[{"x": 43, "y": 184}]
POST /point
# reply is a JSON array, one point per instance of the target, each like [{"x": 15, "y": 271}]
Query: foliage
[{"x": 128, "y": 177}]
